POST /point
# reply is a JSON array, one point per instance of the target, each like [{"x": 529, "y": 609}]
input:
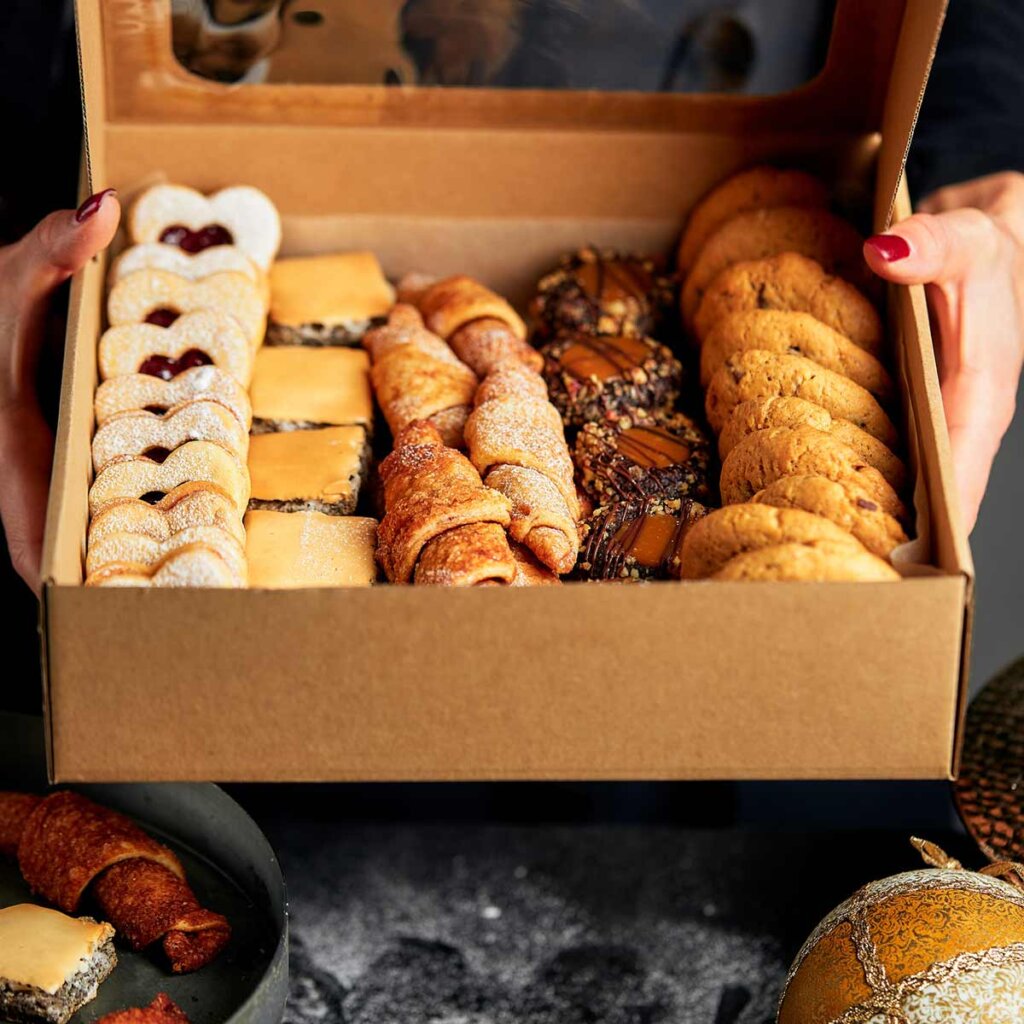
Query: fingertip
[{"x": 885, "y": 252}]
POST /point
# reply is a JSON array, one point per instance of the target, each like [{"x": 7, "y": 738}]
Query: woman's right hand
[{"x": 31, "y": 270}]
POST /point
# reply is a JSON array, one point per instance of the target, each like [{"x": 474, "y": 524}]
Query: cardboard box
[{"x": 703, "y": 680}]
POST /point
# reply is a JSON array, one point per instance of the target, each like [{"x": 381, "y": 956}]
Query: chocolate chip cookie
[
  {"x": 798, "y": 334},
  {"x": 758, "y": 374},
  {"x": 845, "y": 504},
  {"x": 752, "y": 189},
  {"x": 819, "y": 562},
  {"x": 790, "y": 281}
]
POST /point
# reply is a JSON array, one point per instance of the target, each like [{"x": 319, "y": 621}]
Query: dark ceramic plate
[{"x": 230, "y": 866}]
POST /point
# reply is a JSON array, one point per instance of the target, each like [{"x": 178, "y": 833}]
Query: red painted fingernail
[
  {"x": 890, "y": 247},
  {"x": 92, "y": 204}
]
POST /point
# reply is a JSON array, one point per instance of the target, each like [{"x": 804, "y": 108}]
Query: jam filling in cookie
[
  {"x": 167, "y": 367},
  {"x": 602, "y": 292},
  {"x": 667, "y": 456},
  {"x": 639, "y": 539},
  {"x": 196, "y": 241},
  {"x": 162, "y": 317},
  {"x": 592, "y": 378}
]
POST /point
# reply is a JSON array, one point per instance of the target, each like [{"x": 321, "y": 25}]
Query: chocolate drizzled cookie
[
  {"x": 665, "y": 456},
  {"x": 634, "y": 540},
  {"x": 602, "y": 291},
  {"x": 593, "y": 378}
]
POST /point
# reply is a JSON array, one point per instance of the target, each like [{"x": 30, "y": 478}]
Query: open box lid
[{"x": 878, "y": 60}]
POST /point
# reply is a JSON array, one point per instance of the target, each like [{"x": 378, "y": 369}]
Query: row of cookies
[
  {"x": 778, "y": 298},
  {"x": 645, "y": 466},
  {"x": 186, "y": 308}
]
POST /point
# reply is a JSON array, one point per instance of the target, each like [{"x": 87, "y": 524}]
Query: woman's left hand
[{"x": 966, "y": 245}]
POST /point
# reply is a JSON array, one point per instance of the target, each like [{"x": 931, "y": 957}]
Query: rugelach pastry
[
  {"x": 432, "y": 491},
  {"x": 70, "y": 847},
  {"x": 639, "y": 539},
  {"x": 326, "y": 300},
  {"x": 51, "y": 965},
  {"x": 529, "y": 572},
  {"x": 308, "y": 470},
  {"x": 139, "y": 554},
  {"x": 517, "y": 444},
  {"x": 154, "y": 436},
  {"x": 748, "y": 376},
  {"x": 665, "y": 456},
  {"x": 203, "y": 338},
  {"x": 755, "y": 188},
  {"x": 295, "y": 387},
  {"x": 767, "y": 455},
  {"x": 194, "y": 565},
  {"x": 181, "y": 216},
  {"x": 309, "y": 549},
  {"x": 592, "y": 378},
  {"x": 15, "y": 810},
  {"x": 798, "y": 334},
  {"x": 817, "y": 562},
  {"x": 601, "y": 291},
  {"x": 416, "y": 376},
  {"x": 193, "y": 267},
  {"x": 159, "y": 297},
  {"x": 727, "y": 532},
  {"x": 845, "y": 504},
  {"x": 754, "y": 235},
  {"x": 188, "y": 505},
  {"x": 163, "y": 1010},
  {"x": 194, "y": 462},
  {"x": 482, "y": 329},
  {"x": 796, "y": 283},
  {"x": 761, "y": 414},
  {"x": 132, "y": 392}
]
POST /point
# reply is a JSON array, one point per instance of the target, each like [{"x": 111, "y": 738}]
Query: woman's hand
[
  {"x": 30, "y": 272},
  {"x": 967, "y": 246}
]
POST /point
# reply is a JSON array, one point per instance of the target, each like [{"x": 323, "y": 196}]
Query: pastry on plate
[
  {"x": 326, "y": 300},
  {"x": 51, "y": 965}
]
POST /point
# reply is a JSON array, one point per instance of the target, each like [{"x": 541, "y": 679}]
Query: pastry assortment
[
  {"x": 75, "y": 853},
  {"x": 239, "y": 392}
]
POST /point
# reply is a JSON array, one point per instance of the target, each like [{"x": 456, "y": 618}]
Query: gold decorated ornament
[{"x": 941, "y": 945}]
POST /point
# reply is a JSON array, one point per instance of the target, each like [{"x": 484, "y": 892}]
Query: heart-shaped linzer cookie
[
  {"x": 155, "y": 437},
  {"x": 195, "y": 461},
  {"x": 189, "y": 504},
  {"x": 138, "y": 549},
  {"x": 161, "y": 298},
  {"x": 177, "y": 214},
  {"x": 195, "y": 339},
  {"x": 159, "y": 256},
  {"x": 195, "y": 565},
  {"x": 142, "y": 391}
]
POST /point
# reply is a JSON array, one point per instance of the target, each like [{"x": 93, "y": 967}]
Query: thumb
[{"x": 934, "y": 248}]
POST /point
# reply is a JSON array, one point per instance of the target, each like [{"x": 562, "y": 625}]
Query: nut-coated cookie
[
  {"x": 752, "y": 189},
  {"x": 762, "y": 458},
  {"x": 594, "y": 378},
  {"x": 602, "y": 291},
  {"x": 748, "y": 417},
  {"x": 790, "y": 281},
  {"x": 639, "y": 539},
  {"x": 727, "y": 532},
  {"x": 641, "y": 456},
  {"x": 810, "y": 563},
  {"x": 758, "y": 374},
  {"x": 847, "y": 505},
  {"x": 798, "y": 334}
]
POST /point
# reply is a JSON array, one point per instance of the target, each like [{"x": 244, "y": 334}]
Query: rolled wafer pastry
[
  {"x": 70, "y": 844},
  {"x": 156, "y": 436},
  {"x": 163, "y": 1010},
  {"x": 430, "y": 490},
  {"x": 189, "y": 504},
  {"x": 517, "y": 443},
  {"x": 133, "y": 391},
  {"x": 193, "y": 462},
  {"x": 138, "y": 549},
  {"x": 196, "y": 339},
  {"x": 466, "y": 557},
  {"x": 453, "y": 302},
  {"x": 416, "y": 376},
  {"x": 484, "y": 344},
  {"x": 160, "y": 297}
]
